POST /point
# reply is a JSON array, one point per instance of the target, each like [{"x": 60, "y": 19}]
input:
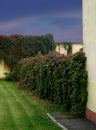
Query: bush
[
  {"x": 28, "y": 70},
  {"x": 15, "y": 47},
  {"x": 60, "y": 79}
]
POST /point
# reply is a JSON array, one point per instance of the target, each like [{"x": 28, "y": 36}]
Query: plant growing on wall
[
  {"x": 66, "y": 45},
  {"x": 68, "y": 48}
]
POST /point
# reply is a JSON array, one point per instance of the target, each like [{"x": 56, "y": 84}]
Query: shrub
[
  {"x": 15, "y": 47},
  {"x": 60, "y": 79},
  {"x": 28, "y": 70}
]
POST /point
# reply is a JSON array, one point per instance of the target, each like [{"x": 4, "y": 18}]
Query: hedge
[
  {"x": 15, "y": 47},
  {"x": 58, "y": 78}
]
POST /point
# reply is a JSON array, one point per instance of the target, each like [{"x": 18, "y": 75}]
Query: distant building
[
  {"x": 68, "y": 47},
  {"x": 3, "y": 69}
]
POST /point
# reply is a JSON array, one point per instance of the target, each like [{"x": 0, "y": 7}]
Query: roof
[{"x": 79, "y": 43}]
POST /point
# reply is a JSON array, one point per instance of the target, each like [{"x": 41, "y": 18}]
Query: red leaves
[
  {"x": 3, "y": 37},
  {"x": 16, "y": 47},
  {"x": 13, "y": 37},
  {"x": 10, "y": 67}
]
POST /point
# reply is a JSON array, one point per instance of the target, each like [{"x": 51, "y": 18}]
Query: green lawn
[{"x": 19, "y": 110}]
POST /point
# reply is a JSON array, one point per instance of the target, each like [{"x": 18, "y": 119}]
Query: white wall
[
  {"x": 89, "y": 39},
  {"x": 75, "y": 48},
  {"x": 60, "y": 48},
  {"x": 3, "y": 69}
]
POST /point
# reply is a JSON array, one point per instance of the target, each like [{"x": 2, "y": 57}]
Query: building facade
[
  {"x": 89, "y": 41},
  {"x": 76, "y": 46}
]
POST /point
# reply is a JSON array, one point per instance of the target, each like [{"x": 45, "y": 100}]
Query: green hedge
[
  {"x": 15, "y": 47},
  {"x": 60, "y": 79}
]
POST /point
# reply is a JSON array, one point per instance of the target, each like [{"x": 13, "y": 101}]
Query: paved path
[{"x": 75, "y": 124}]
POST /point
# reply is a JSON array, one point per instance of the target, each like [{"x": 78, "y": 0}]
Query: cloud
[
  {"x": 14, "y": 9},
  {"x": 61, "y": 18},
  {"x": 64, "y": 27},
  {"x": 66, "y": 23},
  {"x": 23, "y": 26},
  {"x": 8, "y": 26},
  {"x": 70, "y": 35}
]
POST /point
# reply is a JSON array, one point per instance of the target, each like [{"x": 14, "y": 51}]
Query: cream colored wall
[
  {"x": 61, "y": 49},
  {"x": 89, "y": 40},
  {"x": 75, "y": 48},
  {"x": 3, "y": 69}
]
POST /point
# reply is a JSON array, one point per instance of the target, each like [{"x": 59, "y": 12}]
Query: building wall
[
  {"x": 60, "y": 48},
  {"x": 75, "y": 48},
  {"x": 89, "y": 41},
  {"x": 3, "y": 69}
]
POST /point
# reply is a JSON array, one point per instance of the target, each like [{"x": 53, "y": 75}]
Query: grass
[{"x": 20, "y": 110}]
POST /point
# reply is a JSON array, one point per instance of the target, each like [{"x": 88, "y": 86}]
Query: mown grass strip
[
  {"x": 21, "y": 119},
  {"x": 6, "y": 117},
  {"x": 24, "y": 114}
]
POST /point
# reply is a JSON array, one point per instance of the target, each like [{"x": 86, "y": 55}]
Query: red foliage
[
  {"x": 16, "y": 47},
  {"x": 13, "y": 37},
  {"x": 3, "y": 36}
]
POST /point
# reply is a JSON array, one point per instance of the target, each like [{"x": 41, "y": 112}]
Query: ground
[{"x": 21, "y": 111}]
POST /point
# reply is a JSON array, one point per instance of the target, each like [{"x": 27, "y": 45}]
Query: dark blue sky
[{"x": 62, "y": 18}]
